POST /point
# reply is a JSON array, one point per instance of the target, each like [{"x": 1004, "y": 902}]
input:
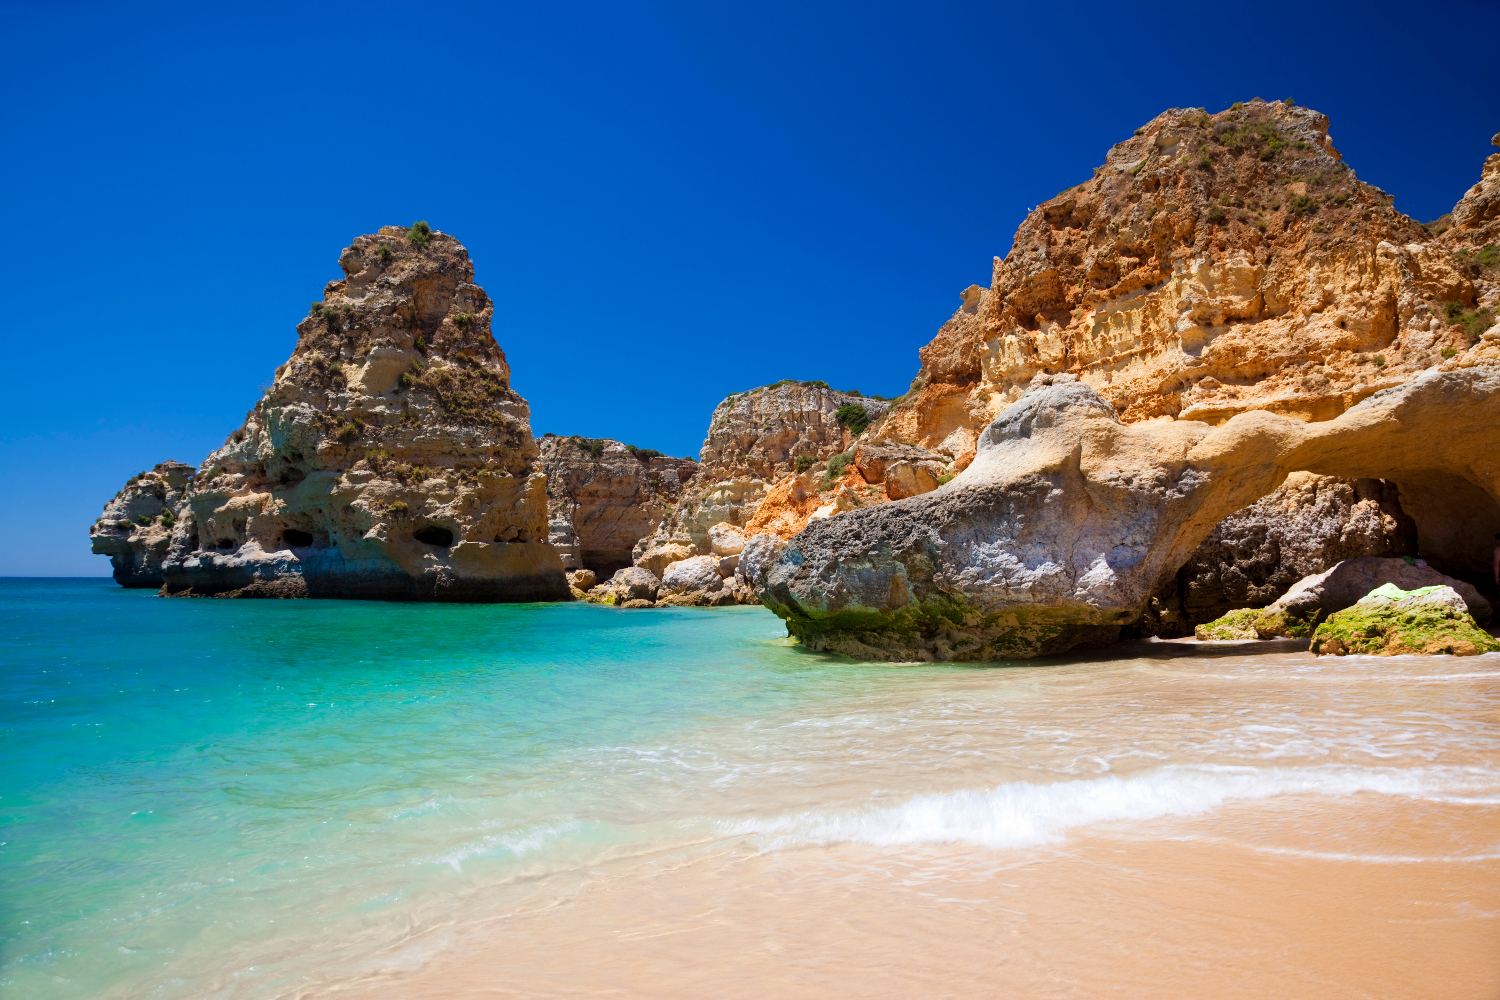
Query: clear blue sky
[{"x": 668, "y": 202}]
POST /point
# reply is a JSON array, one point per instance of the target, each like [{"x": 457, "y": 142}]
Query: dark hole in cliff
[
  {"x": 226, "y": 543},
  {"x": 433, "y": 535},
  {"x": 296, "y": 539}
]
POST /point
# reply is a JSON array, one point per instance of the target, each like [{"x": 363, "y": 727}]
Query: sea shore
[{"x": 1359, "y": 860}]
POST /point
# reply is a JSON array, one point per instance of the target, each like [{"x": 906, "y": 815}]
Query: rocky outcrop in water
[
  {"x": 389, "y": 459},
  {"x": 604, "y": 496},
  {"x": 1069, "y": 519},
  {"x": 136, "y": 526}
]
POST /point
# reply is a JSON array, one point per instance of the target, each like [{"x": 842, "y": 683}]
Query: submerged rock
[
  {"x": 389, "y": 459},
  {"x": 1392, "y": 622}
]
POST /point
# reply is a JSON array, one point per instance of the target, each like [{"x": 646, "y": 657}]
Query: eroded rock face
[
  {"x": 1215, "y": 264},
  {"x": 1069, "y": 519},
  {"x": 754, "y": 439},
  {"x": 136, "y": 526},
  {"x": 390, "y": 458},
  {"x": 1255, "y": 555},
  {"x": 603, "y": 497},
  {"x": 631, "y": 585}
]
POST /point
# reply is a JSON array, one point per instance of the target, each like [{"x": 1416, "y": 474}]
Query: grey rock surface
[
  {"x": 1067, "y": 521},
  {"x": 1347, "y": 583}
]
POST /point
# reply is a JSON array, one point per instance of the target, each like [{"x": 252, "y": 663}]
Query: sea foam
[{"x": 1024, "y": 814}]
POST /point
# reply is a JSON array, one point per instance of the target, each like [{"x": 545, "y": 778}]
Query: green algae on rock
[
  {"x": 1256, "y": 623},
  {"x": 1391, "y": 622}
]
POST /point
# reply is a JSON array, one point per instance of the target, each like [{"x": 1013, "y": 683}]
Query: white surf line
[{"x": 1024, "y": 814}]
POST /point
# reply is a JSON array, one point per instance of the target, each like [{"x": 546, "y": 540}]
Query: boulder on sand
[
  {"x": 1316, "y": 597},
  {"x": 1390, "y": 622},
  {"x": 1068, "y": 519}
]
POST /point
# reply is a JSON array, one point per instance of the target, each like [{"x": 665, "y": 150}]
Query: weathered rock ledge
[
  {"x": 1068, "y": 520},
  {"x": 136, "y": 526}
]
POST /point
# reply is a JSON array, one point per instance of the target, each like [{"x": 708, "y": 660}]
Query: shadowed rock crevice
[{"x": 1306, "y": 526}]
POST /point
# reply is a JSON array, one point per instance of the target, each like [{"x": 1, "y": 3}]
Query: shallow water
[{"x": 267, "y": 799}]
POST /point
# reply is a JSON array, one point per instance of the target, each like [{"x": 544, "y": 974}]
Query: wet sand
[
  {"x": 1110, "y": 915},
  {"x": 1291, "y": 895}
]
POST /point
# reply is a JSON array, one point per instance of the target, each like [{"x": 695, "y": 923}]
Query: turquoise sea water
[
  {"x": 257, "y": 799},
  {"x": 192, "y": 786}
]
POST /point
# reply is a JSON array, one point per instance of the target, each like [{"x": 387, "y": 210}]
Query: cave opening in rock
[
  {"x": 295, "y": 539},
  {"x": 227, "y": 543},
  {"x": 605, "y": 562},
  {"x": 1456, "y": 524},
  {"x": 434, "y": 535},
  {"x": 1311, "y": 523}
]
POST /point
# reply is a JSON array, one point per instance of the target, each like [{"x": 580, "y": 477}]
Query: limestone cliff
[
  {"x": 604, "y": 496},
  {"x": 756, "y": 438},
  {"x": 389, "y": 458},
  {"x": 1215, "y": 264},
  {"x": 136, "y": 526}
]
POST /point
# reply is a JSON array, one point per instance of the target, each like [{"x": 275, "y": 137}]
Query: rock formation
[
  {"x": 1341, "y": 586},
  {"x": 754, "y": 439},
  {"x": 631, "y": 587},
  {"x": 1146, "y": 215},
  {"x": 604, "y": 496},
  {"x": 1069, "y": 519},
  {"x": 136, "y": 526},
  {"x": 1215, "y": 264},
  {"x": 1393, "y": 622},
  {"x": 1218, "y": 270},
  {"x": 1253, "y": 556},
  {"x": 389, "y": 459}
]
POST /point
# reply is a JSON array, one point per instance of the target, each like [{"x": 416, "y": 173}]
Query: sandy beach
[{"x": 1381, "y": 886}]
